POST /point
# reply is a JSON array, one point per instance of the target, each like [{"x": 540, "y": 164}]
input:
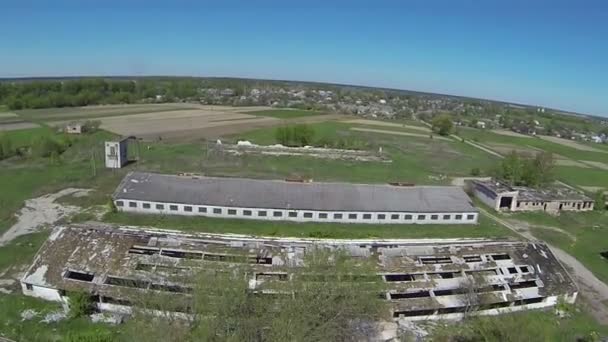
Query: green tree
[
  {"x": 600, "y": 200},
  {"x": 512, "y": 168},
  {"x": 442, "y": 124}
]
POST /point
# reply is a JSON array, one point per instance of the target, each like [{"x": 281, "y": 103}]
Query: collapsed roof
[
  {"x": 554, "y": 192},
  {"x": 423, "y": 278}
]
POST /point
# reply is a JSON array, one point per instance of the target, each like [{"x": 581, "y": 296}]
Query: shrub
[
  {"x": 475, "y": 172},
  {"x": 112, "y": 206},
  {"x": 6, "y": 148},
  {"x": 91, "y": 125},
  {"x": 80, "y": 304},
  {"x": 298, "y": 135},
  {"x": 44, "y": 147}
]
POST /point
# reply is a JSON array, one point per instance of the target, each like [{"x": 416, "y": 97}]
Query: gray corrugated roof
[{"x": 273, "y": 194}]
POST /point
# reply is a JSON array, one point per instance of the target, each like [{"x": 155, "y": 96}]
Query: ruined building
[
  {"x": 424, "y": 280},
  {"x": 503, "y": 197}
]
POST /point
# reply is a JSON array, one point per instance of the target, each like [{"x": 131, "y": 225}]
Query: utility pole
[
  {"x": 138, "y": 154},
  {"x": 93, "y": 163}
]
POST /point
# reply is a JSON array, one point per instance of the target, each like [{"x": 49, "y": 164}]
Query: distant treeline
[{"x": 83, "y": 92}]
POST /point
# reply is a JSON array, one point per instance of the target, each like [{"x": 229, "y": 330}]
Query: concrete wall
[
  {"x": 554, "y": 206},
  {"x": 487, "y": 200},
  {"x": 547, "y": 302},
  {"x": 164, "y": 208},
  {"x": 41, "y": 292}
]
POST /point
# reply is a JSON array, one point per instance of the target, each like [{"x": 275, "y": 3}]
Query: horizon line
[{"x": 561, "y": 111}]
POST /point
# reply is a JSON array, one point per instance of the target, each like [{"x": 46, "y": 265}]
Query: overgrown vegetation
[
  {"x": 223, "y": 308},
  {"x": 533, "y": 172},
  {"x": 295, "y": 135},
  {"x": 80, "y": 304},
  {"x": 525, "y": 326},
  {"x": 6, "y": 147}
]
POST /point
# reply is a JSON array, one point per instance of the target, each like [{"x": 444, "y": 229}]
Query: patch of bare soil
[
  {"x": 510, "y": 133},
  {"x": 570, "y": 162},
  {"x": 596, "y": 164},
  {"x": 17, "y": 125},
  {"x": 39, "y": 212}
]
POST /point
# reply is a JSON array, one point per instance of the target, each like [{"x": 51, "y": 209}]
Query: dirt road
[{"x": 593, "y": 290}]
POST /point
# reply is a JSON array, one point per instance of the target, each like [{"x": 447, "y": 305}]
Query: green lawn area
[
  {"x": 285, "y": 113},
  {"x": 487, "y": 136},
  {"x": 20, "y": 251},
  {"x": 582, "y": 176},
  {"x": 486, "y": 227},
  {"x": 590, "y": 230},
  {"x": 419, "y": 160}
]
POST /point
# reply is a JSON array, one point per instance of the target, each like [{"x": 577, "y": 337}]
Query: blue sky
[{"x": 550, "y": 53}]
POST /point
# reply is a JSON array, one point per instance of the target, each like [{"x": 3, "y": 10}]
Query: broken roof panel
[
  {"x": 120, "y": 262},
  {"x": 553, "y": 192}
]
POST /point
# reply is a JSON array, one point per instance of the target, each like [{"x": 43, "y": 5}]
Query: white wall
[
  {"x": 119, "y": 158},
  {"x": 300, "y": 215},
  {"x": 42, "y": 292}
]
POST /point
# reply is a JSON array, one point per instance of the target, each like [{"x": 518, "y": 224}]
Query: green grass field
[
  {"x": 285, "y": 113},
  {"x": 418, "y": 160},
  {"x": 485, "y": 228},
  {"x": 582, "y": 176},
  {"x": 487, "y": 136}
]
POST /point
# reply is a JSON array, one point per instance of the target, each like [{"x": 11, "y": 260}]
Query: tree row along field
[{"x": 576, "y": 167}]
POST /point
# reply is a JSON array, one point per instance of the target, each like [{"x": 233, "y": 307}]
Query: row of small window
[{"x": 294, "y": 214}]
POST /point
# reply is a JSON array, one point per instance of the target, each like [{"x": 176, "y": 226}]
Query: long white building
[{"x": 151, "y": 193}]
